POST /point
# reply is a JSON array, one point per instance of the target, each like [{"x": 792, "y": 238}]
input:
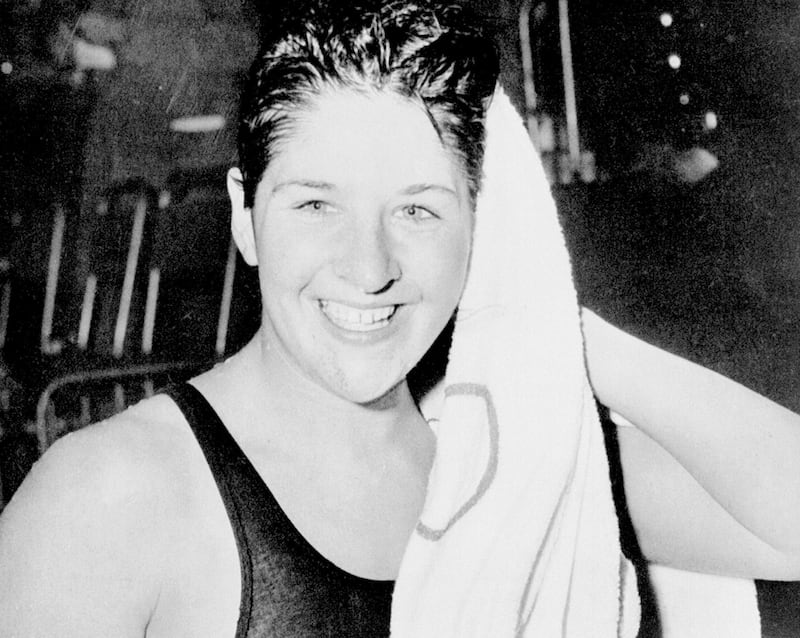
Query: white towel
[
  {"x": 694, "y": 605},
  {"x": 518, "y": 536}
]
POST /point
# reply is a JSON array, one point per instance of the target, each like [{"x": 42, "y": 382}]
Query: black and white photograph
[{"x": 399, "y": 318}]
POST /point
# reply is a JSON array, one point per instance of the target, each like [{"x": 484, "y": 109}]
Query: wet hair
[{"x": 433, "y": 54}]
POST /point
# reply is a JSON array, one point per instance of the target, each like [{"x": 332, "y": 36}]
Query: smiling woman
[
  {"x": 275, "y": 494},
  {"x": 362, "y": 259},
  {"x": 386, "y": 190}
]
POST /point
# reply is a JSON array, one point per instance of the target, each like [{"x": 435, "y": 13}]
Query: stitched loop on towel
[{"x": 482, "y": 392}]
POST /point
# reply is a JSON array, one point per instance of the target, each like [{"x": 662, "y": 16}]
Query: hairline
[{"x": 333, "y": 86}]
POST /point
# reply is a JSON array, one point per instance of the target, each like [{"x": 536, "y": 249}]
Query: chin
[{"x": 372, "y": 396}]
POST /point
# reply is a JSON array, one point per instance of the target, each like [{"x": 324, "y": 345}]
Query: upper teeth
[{"x": 356, "y": 318}]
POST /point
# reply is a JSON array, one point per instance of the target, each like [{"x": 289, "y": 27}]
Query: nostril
[
  {"x": 380, "y": 276},
  {"x": 389, "y": 283}
]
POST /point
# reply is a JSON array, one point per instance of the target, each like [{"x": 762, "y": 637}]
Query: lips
[{"x": 357, "y": 319}]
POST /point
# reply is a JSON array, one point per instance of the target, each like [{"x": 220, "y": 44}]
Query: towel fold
[{"x": 518, "y": 536}]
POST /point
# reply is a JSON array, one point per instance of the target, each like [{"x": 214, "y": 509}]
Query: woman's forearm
[
  {"x": 679, "y": 524},
  {"x": 742, "y": 448}
]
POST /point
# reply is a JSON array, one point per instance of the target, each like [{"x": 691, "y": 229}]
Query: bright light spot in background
[
  {"x": 666, "y": 19},
  {"x": 92, "y": 56},
  {"x": 6, "y": 67},
  {"x": 711, "y": 121},
  {"x": 684, "y": 98},
  {"x": 197, "y": 124},
  {"x": 695, "y": 164},
  {"x": 674, "y": 61}
]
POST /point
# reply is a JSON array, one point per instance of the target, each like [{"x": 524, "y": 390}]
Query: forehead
[{"x": 376, "y": 142}]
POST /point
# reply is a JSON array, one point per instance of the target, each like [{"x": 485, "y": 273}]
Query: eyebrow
[
  {"x": 413, "y": 189},
  {"x": 305, "y": 183},
  {"x": 416, "y": 189}
]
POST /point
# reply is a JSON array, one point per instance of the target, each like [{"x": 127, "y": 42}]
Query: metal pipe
[
  {"x": 134, "y": 248},
  {"x": 528, "y": 80},
  {"x": 87, "y": 309},
  {"x": 119, "y": 397},
  {"x": 86, "y": 411},
  {"x": 53, "y": 267},
  {"x": 5, "y": 311},
  {"x": 227, "y": 297},
  {"x": 150, "y": 306},
  {"x": 153, "y": 284},
  {"x": 570, "y": 103}
]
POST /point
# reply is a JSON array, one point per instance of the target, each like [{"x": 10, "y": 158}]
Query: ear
[{"x": 241, "y": 218}]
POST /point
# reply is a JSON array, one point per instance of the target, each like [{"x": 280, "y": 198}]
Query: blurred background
[
  {"x": 673, "y": 148},
  {"x": 117, "y": 126},
  {"x": 670, "y": 131}
]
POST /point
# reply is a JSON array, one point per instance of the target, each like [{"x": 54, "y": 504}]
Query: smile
[{"x": 357, "y": 319}]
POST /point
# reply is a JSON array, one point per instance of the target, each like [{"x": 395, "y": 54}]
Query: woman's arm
[
  {"x": 680, "y": 525},
  {"x": 742, "y": 449},
  {"x": 77, "y": 546}
]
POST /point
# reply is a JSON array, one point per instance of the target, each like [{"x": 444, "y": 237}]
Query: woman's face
[{"x": 362, "y": 231}]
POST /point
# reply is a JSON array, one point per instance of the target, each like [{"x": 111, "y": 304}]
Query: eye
[
  {"x": 315, "y": 206},
  {"x": 415, "y": 213}
]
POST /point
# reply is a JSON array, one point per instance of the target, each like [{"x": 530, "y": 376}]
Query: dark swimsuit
[{"x": 288, "y": 588}]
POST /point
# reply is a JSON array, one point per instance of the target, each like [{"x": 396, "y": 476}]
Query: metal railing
[
  {"x": 530, "y": 48},
  {"x": 134, "y": 290},
  {"x": 47, "y": 428}
]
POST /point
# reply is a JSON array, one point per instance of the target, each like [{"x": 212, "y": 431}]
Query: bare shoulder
[
  {"x": 124, "y": 459},
  {"x": 92, "y": 522}
]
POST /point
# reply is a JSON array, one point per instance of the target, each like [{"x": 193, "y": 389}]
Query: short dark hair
[{"x": 431, "y": 53}]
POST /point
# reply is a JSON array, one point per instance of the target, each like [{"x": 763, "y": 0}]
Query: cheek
[
  {"x": 447, "y": 270},
  {"x": 287, "y": 258}
]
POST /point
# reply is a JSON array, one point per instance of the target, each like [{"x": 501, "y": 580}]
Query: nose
[{"x": 367, "y": 257}]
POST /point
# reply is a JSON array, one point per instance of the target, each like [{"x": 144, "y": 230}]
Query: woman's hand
[{"x": 710, "y": 465}]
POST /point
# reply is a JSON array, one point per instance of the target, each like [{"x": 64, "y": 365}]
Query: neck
[{"x": 274, "y": 386}]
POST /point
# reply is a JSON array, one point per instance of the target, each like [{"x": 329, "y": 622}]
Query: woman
[
  {"x": 360, "y": 199},
  {"x": 361, "y": 232}
]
